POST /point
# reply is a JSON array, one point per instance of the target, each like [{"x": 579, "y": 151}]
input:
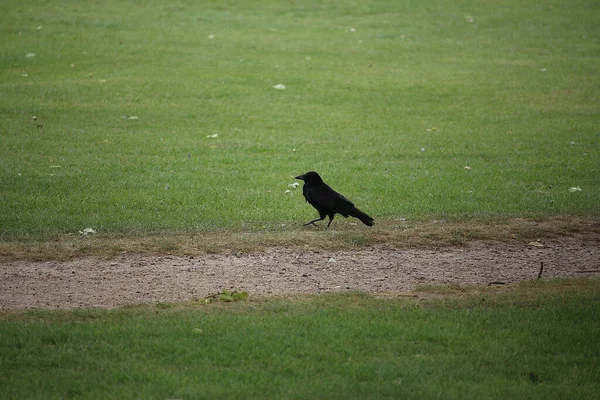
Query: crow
[{"x": 327, "y": 201}]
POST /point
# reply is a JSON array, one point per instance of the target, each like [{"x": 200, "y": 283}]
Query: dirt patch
[{"x": 130, "y": 279}]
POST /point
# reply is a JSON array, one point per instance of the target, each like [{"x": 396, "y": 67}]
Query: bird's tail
[{"x": 364, "y": 218}]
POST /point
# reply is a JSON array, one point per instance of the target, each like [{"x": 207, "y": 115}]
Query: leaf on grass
[
  {"x": 87, "y": 231},
  {"x": 240, "y": 296},
  {"x": 213, "y": 136},
  {"x": 225, "y": 297},
  {"x": 294, "y": 185},
  {"x": 575, "y": 189},
  {"x": 279, "y": 86},
  {"x": 29, "y": 55},
  {"x": 467, "y": 167}
]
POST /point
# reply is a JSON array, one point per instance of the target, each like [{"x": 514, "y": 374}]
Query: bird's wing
[{"x": 322, "y": 197}]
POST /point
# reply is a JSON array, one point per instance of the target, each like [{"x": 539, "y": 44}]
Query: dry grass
[
  {"x": 526, "y": 293},
  {"x": 387, "y": 234}
]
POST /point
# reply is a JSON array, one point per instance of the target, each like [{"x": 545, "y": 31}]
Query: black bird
[{"x": 327, "y": 201}]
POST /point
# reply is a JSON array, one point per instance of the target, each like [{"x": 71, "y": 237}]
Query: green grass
[
  {"x": 537, "y": 340},
  {"x": 507, "y": 88}
]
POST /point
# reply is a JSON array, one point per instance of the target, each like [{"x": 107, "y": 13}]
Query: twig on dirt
[
  {"x": 586, "y": 271},
  {"x": 541, "y": 270},
  {"x": 496, "y": 283}
]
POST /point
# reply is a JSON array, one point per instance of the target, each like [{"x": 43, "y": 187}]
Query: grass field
[
  {"x": 165, "y": 122},
  {"x": 538, "y": 340},
  {"x": 389, "y": 101}
]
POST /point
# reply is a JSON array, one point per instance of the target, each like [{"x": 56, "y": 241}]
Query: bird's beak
[{"x": 301, "y": 177}]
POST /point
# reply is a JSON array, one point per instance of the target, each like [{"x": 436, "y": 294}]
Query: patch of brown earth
[{"x": 130, "y": 279}]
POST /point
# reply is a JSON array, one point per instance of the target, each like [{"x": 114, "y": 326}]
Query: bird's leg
[
  {"x": 314, "y": 220},
  {"x": 330, "y": 220}
]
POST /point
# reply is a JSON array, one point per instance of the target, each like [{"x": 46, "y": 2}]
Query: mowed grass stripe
[
  {"x": 534, "y": 340},
  {"x": 389, "y": 102}
]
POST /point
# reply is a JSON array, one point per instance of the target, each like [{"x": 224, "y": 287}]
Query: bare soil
[{"x": 135, "y": 278}]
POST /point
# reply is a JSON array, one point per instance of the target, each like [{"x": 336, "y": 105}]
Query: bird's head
[{"x": 310, "y": 177}]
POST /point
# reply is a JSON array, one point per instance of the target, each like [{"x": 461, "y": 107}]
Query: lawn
[
  {"x": 164, "y": 117},
  {"x": 186, "y": 122},
  {"x": 537, "y": 340}
]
